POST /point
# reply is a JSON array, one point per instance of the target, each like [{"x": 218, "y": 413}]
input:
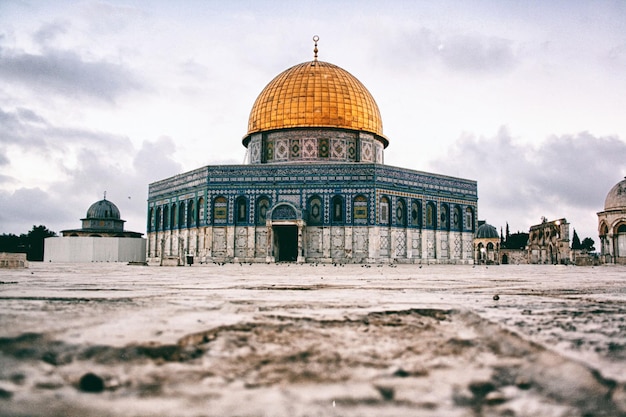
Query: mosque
[
  {"x": 315, "y": 188},
  {"x": 612, "y": 225}
]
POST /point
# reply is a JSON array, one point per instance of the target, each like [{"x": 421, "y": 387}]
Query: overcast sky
[{"x": 526, "y": 97}]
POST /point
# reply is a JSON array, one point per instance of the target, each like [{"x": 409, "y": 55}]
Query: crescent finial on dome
[{"x": 315, "y": 39}]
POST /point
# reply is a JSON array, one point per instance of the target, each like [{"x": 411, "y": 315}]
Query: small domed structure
[
  {"x": 103, "y": 216},
  {"x": 486, "y": 231},
  {"x": 486, "y": 244},
  {"x": 100, "y": 239},
  {"x": 616, "y": 198},
  {"x": 102, "y": 220},
  {"x": 612, "y": 225},
  {"x": 103, "y": 209}
]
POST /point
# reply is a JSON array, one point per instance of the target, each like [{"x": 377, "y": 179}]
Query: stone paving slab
[{"x": 308, "y": 340}]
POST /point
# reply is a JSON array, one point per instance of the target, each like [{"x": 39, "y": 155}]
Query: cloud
[
  {"x": 561, "y": 177},
  {"x": 49, "y": 32},
  {"x": 70, "y": 168},
  {"x": 68, "y": 74},
  {"x": 477, "y": 54},
  {"x": 154, "y": 160},
  {"x": 28, "y": 131},
  {"x": 124, "y": 173},
  {"x": 109, "y": 18},
  {"x": 471, "y": 54},
  {"x": 26, "y": 207},
  {"x": 616, "y": 57}
]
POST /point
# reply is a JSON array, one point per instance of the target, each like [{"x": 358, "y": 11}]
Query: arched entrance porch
[{"x": 285, "y": 233}]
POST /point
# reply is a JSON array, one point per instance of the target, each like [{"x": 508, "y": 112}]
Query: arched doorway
[
  {"x": 505, "y": 259},
  {"x": 285, "y": 226},
  {"x": 286, "y": 243},
  {"x": 620, "y": 241}
]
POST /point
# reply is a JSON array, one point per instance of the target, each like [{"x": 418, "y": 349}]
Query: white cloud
[
  {"x": 565, "y": 176},
  {"x": 68, "y": 74}
]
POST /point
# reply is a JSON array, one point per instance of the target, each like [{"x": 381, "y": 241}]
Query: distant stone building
[
  {"x": 486, "y": 244},
  {"x": 513, "y": 256},
  {"x": 612, "y": 225},
  {"x": 101, "y": 239},
  {"x": 548, "y": 242},
  {"x": 315, "y": 189},
  {"x": 13, "y": 260}
]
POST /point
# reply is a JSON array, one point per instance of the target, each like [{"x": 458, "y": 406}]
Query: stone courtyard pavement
[{"x": 312, "y": 340}]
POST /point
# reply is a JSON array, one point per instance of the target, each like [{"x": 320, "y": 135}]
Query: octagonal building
[{"x": 315, "y": 189}]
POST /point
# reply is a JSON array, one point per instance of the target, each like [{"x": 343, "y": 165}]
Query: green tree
[
  {"x": 10, "y": 243},
  {"x": 517, "y": 241},
  {"x": 576, "y": 241},
  {"x": 33, "y": 242},
  {"x": 587, "y": 244}
]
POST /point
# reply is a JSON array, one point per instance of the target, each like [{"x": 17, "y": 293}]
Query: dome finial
[
  {"x": 315, "y": 39},
  {"x": 105, "y": 195}
]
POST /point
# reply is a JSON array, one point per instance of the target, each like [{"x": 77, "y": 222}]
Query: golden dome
[{"x": 315, "y": 94}]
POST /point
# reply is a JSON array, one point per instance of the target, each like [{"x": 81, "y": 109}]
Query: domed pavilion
[
  {"x": 315, "y": 188},
  {"x": 612, "y": 225},
  {"x": 486, "y": 244},
  {"x": 101, "y": 238},
  {"x": 102, "y": 220}
]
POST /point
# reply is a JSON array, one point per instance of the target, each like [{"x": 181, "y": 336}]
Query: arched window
[
  {"x": 166, "y": 218},
  {"x": 401, "y": 212},
  {"x": 220, "y": 210},
  {"x": 200, "y": 218},
  {"x": 181, "y": 215},
  {"x": 359, "y": 209},
  {"x": 157, "y": 226},
  {"x": 262, "y": 206},
  {"x": 150, "y": 219},
  {"x": 469, "y": 219},
  {"x": 242, "y": 210},
  {"x": 315, "y": 210},
  {"x": 173, "y": 217},
  {"x": 604, "y": 229},
  {"x": 383, "y": 211},
  {"x": 416, "y": 214},
  {"x": 445, "y": 217},
  {"x": 457, "y": 220},
  {"x": 431, "y": 215},
  {"x": 191, "y": 213},
  {"x": 337, "y": 205},
  {"x": 621, "y": 228}
]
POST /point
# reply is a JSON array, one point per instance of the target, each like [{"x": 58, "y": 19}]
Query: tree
[
  {"x": 576, "y": 241},
  {"x": 587, "y": 244},
  {"x": 31, "y": 243},
  {"x": 517, "y": 241},
  {"x": 9, "y": 243},
  {"x": 35, "y": 242}
]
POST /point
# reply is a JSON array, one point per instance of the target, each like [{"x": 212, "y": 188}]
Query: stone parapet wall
[{"x": 13, "y": 260}]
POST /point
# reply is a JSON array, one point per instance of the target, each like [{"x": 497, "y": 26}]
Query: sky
[{"x": 528, "y": 98}]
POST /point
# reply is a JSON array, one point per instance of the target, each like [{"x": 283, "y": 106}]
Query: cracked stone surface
[{"x": 312, "y": 340}]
